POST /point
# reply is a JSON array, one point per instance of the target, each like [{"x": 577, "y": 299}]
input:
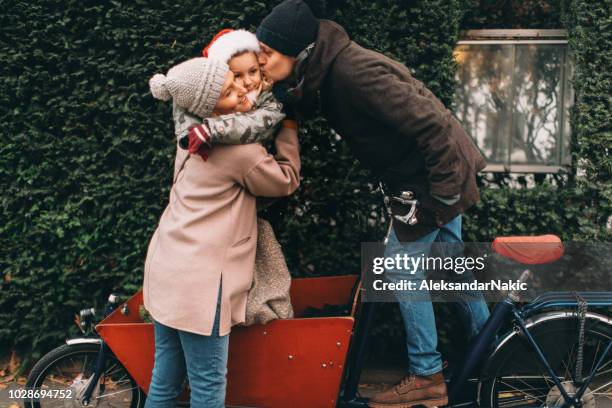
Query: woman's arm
[{"x": 278, "y": 175}]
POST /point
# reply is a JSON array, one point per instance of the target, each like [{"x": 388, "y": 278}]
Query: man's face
[{"x": 274, "y": 65}]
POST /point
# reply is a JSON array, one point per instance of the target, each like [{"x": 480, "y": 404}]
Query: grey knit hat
[{"x": 195, "y": 85}]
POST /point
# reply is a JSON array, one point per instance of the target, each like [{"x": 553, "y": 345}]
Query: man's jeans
[
  {"x": 203, "y": 358},
  {"x": 418, "y": 315}
]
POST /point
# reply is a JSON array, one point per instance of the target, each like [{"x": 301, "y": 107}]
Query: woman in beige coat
[
  {"x": 200, "y": 261},
  {"x": 207, "y": 233}
]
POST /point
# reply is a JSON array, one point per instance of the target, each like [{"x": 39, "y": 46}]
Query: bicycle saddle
[{"x": 530, "y": 250}]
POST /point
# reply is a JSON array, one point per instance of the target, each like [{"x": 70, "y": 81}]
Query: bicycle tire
[
  {"x": 556, "y": 334},
  {"x": 51, "y": 360}
]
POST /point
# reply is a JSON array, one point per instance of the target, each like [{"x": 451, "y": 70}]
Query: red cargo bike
[{"x": 557, "y": 354}]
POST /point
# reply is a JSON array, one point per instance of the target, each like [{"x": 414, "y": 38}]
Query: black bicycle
[
  {"x": 556, "y": 354},
  {"x": 85, "y": 370}
]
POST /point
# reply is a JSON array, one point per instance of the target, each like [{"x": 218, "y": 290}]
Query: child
[
  {"x": 200, "y": 260},
  {"x": 256, "y": 119}
]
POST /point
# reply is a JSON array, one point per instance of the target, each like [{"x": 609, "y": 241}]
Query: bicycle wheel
[
  {"x": 516, "y": 377},
  {"x": 68, "y": 368}
]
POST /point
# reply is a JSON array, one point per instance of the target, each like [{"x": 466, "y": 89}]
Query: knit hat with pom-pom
[{"x": 195, "y": 85}]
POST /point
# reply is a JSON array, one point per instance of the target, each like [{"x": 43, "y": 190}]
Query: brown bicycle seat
[{"x": 530, "y": 250}]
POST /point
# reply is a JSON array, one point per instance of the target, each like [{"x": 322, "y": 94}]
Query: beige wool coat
[{"x": 208, "y": 232}]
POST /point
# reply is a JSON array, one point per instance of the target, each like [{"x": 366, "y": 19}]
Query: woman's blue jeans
[
  {"x": 202, "y": 358},
  {"x": 418, "y": 315}
]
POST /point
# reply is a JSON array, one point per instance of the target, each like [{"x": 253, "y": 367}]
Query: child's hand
[
  {"x": 203, "y": 152},
  {"x": 199, "y": 141}
]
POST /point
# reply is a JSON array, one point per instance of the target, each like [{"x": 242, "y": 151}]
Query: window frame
[{"x": 520, "y": 37}]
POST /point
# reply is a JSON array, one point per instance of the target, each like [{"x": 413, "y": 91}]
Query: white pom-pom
[{"x": 157, "y": 84}]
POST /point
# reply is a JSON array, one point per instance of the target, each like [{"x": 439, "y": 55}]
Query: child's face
[
  {"x": 232, "y": 98},
  {"x": 246, "y": 70}
]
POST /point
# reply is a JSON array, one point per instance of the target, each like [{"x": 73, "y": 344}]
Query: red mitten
[
  {"x": 198, "y": 136},
  {"x": 199, "y": 141},
  {"x": 203, "y": 152}
]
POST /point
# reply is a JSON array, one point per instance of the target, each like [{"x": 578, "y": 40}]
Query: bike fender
[{"x": 83, "y": 340}]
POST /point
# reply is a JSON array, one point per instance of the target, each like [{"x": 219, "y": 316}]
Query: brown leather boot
[{"x": 429, "y": 391}]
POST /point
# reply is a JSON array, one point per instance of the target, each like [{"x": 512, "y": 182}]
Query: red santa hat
[{"x": 227, "y": 43}]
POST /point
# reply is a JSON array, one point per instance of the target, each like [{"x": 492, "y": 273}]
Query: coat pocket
[{"x": 241, "y": 241}]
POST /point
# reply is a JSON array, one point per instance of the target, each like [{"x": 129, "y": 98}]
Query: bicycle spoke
[
  {"x": 563, "y": 364},
  {"x": 599, "y": 388},
  {"x": 55, "y": 380},
  {"x": 61, "y": 374},
  {"x": 549, "y": 383},
  {"x": 119, "y": 368},
  {"x": 73, "y": 363},
  {"x": 601, "y": 396},
  {"x": 126, "y": 381},
  {"x": 535, "y": 389},
  {"x": 512, "y": 401},
  {"x": 516, "y": 401},
  {"x": 604, "y": 365},
  {"x": 84, "y": 364},
  {"x": 524, "y": 392},
  {"x": 608, "y": 393},
  {"x": 597, "y": 374},
  {"x": 121, "y": 379},
  {"x": 595, "y": 356},
  {"x": 568, "y": 373},
  {"x": 115, "y": 393}
]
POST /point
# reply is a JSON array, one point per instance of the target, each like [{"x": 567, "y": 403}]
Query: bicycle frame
[
  {"x": 104, "y": 350},
  {"x": 522, "y": 315},
  {"x": 478, "y": 348}
]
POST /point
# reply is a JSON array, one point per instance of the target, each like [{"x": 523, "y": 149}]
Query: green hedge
[{"x": 87, "y": 154}]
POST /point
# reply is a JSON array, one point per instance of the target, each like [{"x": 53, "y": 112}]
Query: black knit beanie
[{"x": 289, "y": 28}]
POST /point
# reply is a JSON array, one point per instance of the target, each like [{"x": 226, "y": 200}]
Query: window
[{"x": 513, "y": 97}]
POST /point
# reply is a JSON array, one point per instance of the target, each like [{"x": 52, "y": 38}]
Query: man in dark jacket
[{"x": 407, "y": 137}]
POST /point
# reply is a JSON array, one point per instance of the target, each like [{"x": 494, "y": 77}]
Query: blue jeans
[
  {"x": 418, "y": 315},
  {"x": 202, "y": 358}
]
